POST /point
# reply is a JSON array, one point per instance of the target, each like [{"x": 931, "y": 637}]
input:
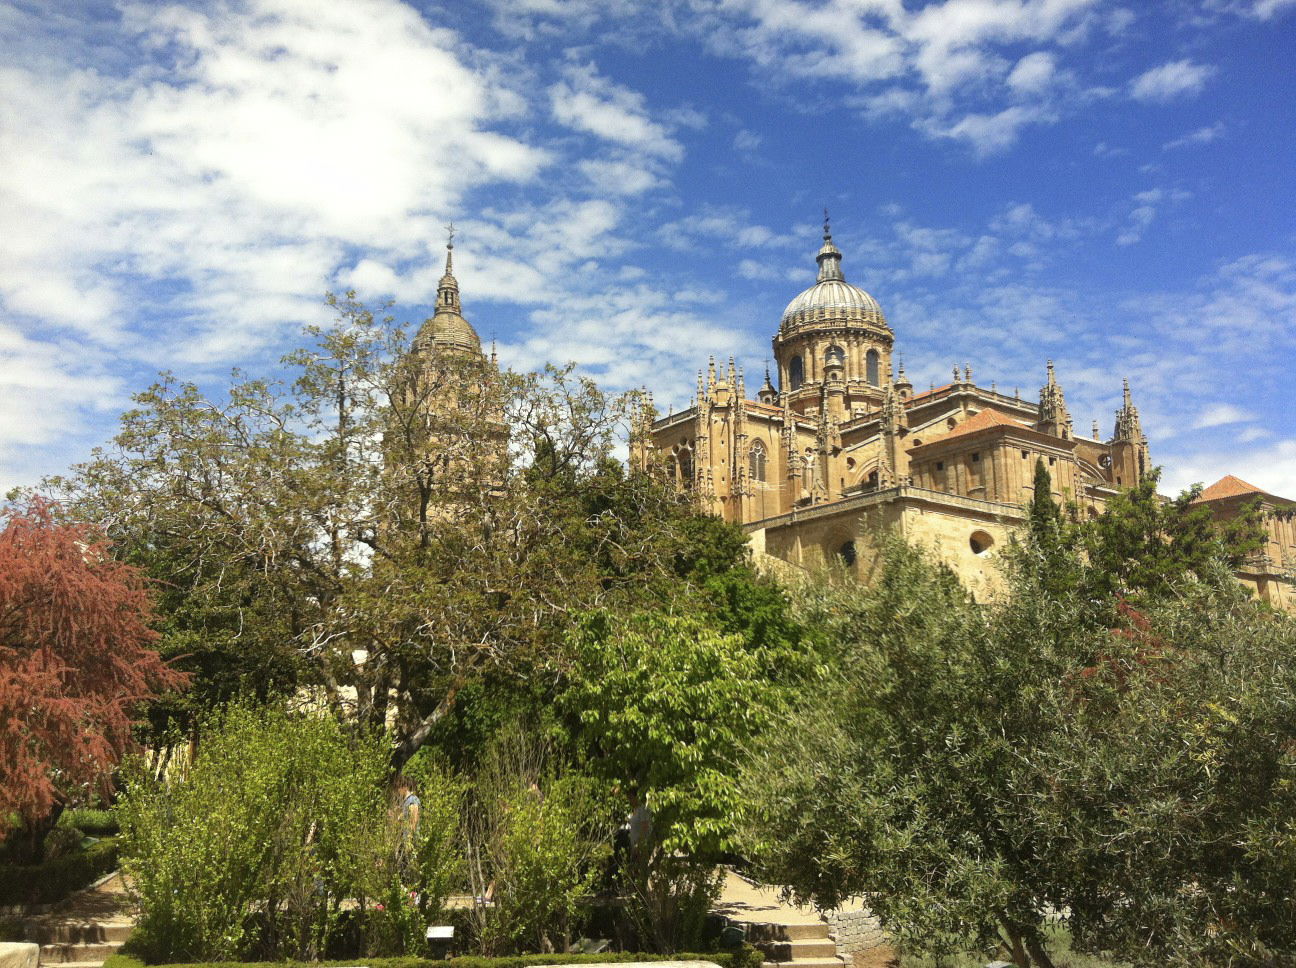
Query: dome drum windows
[
  {"x": 796, "y": 373},
  {"x": 873, "y": 368}
]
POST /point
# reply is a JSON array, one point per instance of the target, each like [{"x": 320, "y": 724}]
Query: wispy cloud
[
  {"x": 1202, "y": 136},
  {"x": 586, "y": 101},
  {"x": 1181, "y": 78}
]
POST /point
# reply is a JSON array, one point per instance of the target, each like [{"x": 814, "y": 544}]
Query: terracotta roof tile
[
  {"x": 982, "y": 420},
  {"x": 1227, "y": 486},
  {"x": 931, "y": 392}
]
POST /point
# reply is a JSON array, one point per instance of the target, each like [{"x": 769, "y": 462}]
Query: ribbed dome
[
  {"x": 448, "y": 330},
  {"x": 832, "y": 299}
]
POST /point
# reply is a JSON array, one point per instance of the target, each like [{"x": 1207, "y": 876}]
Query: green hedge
[
  {"x": 97, "y": 823},
  {"x": 742, "y": 957},
  {"x": 56, "y": 879}
]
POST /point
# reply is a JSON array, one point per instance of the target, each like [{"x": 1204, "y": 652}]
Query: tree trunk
[{"x": 1036, "y": 948}]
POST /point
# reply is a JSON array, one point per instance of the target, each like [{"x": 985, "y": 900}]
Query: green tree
[
  {"x": 1144, "y": 545},
  {"x": 380, "y": 525},
  {"x": 665, "y": 704}
]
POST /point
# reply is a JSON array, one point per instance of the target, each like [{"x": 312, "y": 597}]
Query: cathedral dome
[
  {"x": 447, "y": 329},
  {"x": 832, "y": 298}
]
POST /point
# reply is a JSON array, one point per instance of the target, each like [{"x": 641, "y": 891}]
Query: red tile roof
[
  {"x": 980, "y": 421},
  {"x": 1227, "y": 486},
  {"x": 931, "y": 392}
]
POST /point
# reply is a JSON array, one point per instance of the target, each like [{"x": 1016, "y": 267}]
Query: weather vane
[{"x": 450, "y": 233}]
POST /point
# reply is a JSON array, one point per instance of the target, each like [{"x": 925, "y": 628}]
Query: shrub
[
  {"x": 252, "y": 847},
  {"x": 96, "y": 823},
  {"x": 540, "y": 839},
  {"x": 56, "y": 879}
]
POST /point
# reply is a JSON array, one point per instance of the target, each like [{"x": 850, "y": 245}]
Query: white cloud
[
  {"x": 1202, "y": 136},
  {"x": 1222, "y": 414},
  {"x": 1179, "y": 78},
  {"x": 588, "y": 102},
  {"x": 1033, "y": 73},
  {"x": 1272, "y": 468},
  {"x": 990, "y": 134},
  {"x": 746, "y": 141},
  {"x": 236, "y": 163},
  {"x": 618, "y": 177}
]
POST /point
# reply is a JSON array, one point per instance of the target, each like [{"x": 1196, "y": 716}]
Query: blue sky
[{"x": 639, "y": 185}]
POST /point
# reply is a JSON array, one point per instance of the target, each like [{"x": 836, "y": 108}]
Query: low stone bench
[{"x": 19, "y": 954}]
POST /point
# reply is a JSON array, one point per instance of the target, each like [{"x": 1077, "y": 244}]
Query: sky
[{"x": 639, "y": 185}]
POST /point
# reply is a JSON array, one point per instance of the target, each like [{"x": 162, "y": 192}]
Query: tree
[
  {"x": 77, "y": 659},
  {"x": 1144, "y": 545},
  {"x": 665, "y": 704},
  {"x": 382, "y": 525}
]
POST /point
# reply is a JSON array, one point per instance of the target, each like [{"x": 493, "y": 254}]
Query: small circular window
[{"x": 980, "y": 542}]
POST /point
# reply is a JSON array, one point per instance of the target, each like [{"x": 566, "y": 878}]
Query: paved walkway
[{"x": 745, "y": 901}]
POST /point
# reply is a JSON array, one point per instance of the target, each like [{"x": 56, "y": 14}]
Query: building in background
[{"x": 842, "y": 449}]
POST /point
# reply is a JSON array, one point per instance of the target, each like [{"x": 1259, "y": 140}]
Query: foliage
[
  {"x": 54, "y": 880},
  {"x": 435, "y": 516},
  {"x": 76, "y": 658},
  {"x": 973, "y": 770},
  {"x": 665, "y": 703},
  {"x": 1144, "y": 546},
  {"x": 538, "y": 839},
  {"x": 744, "y": 956},
  {"x": 90, "y": 820},
  {"x": 252, "y": 847}
]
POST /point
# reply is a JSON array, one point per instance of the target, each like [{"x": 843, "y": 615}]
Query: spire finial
[
  {"x": 827, "y": 229},
  {"x": 450, "y": 230}
]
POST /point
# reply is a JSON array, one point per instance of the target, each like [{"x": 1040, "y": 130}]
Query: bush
[
  {"x": 250, "y": 849},
  {"x": 744, "y": 956},
  {"x": 56, "y": 879},
  {"x": 540, "y": 838},
  {"x": 96, "y": 823}
]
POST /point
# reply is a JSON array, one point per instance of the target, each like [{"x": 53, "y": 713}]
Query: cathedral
[{"x": 842, "y": 450}]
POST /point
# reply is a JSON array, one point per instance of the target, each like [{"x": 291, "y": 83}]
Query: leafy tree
[
  {"x": 1143, "y": 545},
  {"x": 665, "y": 704},
  {"x": 384, "y": 525},
  {"x": 77, "y": 658}
]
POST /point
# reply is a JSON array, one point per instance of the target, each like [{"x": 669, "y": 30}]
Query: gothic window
[
  {"x": 756, "y": 461},
  {"x": 684, "y": 464},
  {"x": 873, "y": 368},
  {"x": 872, "y": 482},
  {"x": 796, "y": 373}
]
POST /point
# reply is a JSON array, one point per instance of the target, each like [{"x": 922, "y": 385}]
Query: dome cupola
[
  {"x": 832, "y": 299},
  {"x": 447, "y": 329}
]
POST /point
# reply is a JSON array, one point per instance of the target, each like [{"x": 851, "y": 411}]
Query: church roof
[
  {"x": 1227, "y": 486},
  {"x": 832, "y": 298},
  {"x": 447, "y": 329},
  {"x": 980, "y": 421}
]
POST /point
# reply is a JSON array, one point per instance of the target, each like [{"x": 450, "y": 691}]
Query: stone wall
[{"x": 854, "y": 931}]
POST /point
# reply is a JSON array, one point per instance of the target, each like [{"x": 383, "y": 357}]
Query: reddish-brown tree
[{"x": 76, "y": 658}]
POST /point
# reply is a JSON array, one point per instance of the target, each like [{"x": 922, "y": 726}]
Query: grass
[{"x": 1057, "y": 943}]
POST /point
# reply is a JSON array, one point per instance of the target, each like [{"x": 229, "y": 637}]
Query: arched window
[
  {"x": 684, "y": 463},
  {"x": 756, "y": 461},
  {"x": 796, "y": 373},
  {"x": 872, "y": 482},
  {"x": 873, "y": 368}
]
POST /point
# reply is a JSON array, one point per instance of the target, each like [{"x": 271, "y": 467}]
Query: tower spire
[{"x": 829, "y": 257}]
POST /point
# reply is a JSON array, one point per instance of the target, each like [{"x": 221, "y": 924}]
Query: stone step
[
  {"x": 67, "y": 954},
  {"x": 798, "y": 931},
  {"x": 78, "y": 932},
  {"x": 837, "y": 962},
  {"x": 801, "y": 949}
]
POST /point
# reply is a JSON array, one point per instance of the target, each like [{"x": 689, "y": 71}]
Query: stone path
[
  {"x": 796, "y": 936},
  {"x": 86, "y": 928}
]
